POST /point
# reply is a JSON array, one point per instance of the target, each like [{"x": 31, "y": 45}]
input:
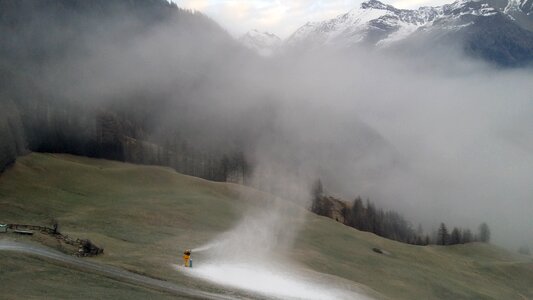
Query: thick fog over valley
[{"x": 439, "y": 136}]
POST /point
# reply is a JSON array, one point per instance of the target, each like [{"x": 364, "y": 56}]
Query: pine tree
[
  {"x": 317, "y": 194},
  {"x": 370, "y": 216},
  {"x": 318, "y": 189},
  {"x": 442, "y": 235},
  {"x": 455, "y": 236},
  {"x": 484, "y": 233},
  {"x": 467, "y": 236},
  {"x": 358, "y": 214}
]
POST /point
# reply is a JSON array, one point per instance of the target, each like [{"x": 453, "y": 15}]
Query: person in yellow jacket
[{"x": 187, "y": 258}]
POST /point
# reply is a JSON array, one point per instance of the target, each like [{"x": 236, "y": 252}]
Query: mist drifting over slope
[
  {"x": 454, "y": 139},
  {"x": 439, "y": 137}
]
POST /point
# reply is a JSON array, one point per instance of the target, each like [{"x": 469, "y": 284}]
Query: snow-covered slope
[
  {"x": 499, "y": 31},
  {"x": 263, "y": 43},
  {"x": 521, "y": 11},
  {"x": 376, "y": 23},
  {"x": 525, "y": 6}
]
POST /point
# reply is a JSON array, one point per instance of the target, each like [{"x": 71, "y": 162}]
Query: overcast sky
[{"x": 281, "y": 17}]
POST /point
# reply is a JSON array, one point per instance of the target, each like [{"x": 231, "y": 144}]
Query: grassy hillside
[
  {"x": 27, "y": 277},
  {"x": 145, "y": 216}
]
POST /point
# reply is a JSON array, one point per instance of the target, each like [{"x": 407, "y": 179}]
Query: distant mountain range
[{"x": 498, "y": 31}]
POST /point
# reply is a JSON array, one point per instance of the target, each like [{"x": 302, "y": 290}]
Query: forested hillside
[
  {"x": 147, "y": 82},
  {"x": 75, "y": 78}
]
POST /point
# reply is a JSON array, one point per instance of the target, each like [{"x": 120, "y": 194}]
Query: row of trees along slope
[{"x": 388, "y": 223}]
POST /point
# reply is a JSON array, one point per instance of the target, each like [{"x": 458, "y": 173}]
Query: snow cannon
[{"x": 187, "y": 260}]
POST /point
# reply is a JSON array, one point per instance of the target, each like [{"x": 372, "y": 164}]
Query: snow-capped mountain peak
[
  {"x": 264, "y": 43},
  {"x": 500, "y": 31},
  {"x": 380, "y": 24},
  {"x": 366, "y": 23},
  {"x": 524, "y": 6}
]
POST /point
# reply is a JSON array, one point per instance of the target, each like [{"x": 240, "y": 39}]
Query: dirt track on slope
[{"x": 108, "y": 271}]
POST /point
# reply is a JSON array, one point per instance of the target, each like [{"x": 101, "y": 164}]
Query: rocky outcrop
[{"x": 330, "y": 207}]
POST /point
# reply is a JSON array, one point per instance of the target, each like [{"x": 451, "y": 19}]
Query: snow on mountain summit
[
  {"x": 500, "y": 31},
  {"x": 264, "y": 43},
  {"x": 525, "y": 6},
  {"x": 380, "y": 24}
]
